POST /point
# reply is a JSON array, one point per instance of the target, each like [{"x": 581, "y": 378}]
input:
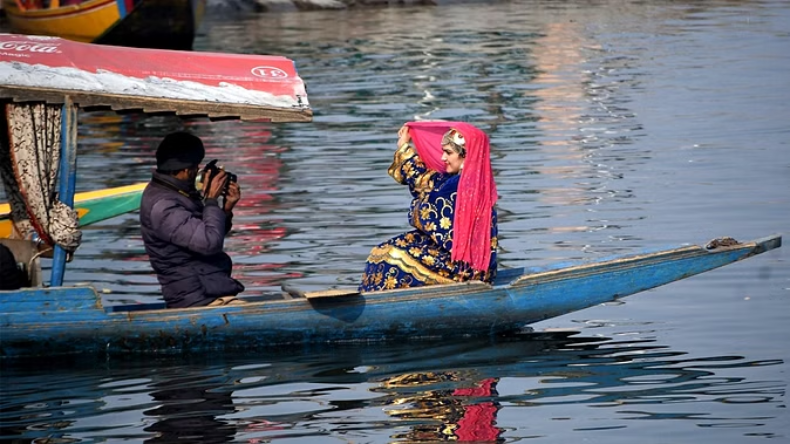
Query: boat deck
[{"x": 504, "y": 277}]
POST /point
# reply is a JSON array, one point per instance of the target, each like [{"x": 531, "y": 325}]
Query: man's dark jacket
[{"x": 184, "y": 240}]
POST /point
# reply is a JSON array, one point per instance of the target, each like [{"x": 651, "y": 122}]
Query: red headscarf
[{"x": 476, "y": 189}]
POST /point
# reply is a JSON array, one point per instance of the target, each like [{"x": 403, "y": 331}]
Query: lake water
[{"x": 615, "y": 126}]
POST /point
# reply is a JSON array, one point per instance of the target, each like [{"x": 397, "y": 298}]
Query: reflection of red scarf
[
  {"x": 476, "y": 189},
  {"x": 478, "y": 423}
]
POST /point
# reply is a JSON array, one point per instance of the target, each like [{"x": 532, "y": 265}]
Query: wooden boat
[
  {"x": 56, "y": 319},
  {"x": 92, "y": 206},
  {"x": 72, "y": 320},
  {"x": 169, "y": 24}
]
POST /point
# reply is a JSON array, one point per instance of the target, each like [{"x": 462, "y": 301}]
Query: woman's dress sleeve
[{"x": 433, "y": 207}]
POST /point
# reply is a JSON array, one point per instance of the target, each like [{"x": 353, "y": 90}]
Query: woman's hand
[{"x": 403, "y": 136}]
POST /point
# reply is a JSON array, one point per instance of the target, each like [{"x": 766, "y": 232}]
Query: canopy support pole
[{"x": 67, "y": 180}]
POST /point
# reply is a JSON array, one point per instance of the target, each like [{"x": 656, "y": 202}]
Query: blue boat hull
[{"x": 51, "y": 321}]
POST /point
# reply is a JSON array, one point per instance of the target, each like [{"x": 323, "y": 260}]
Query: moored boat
[
  {"x": 49, "y": 318},
  {"x": 91, "y": 206},
  {"x": 167, "y": 24}
]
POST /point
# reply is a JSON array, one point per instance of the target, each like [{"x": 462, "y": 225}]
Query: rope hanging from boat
[{"x": 34, "y": 133}]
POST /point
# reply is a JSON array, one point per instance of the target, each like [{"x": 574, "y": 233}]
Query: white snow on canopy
[{"x": 42, "y": 76}]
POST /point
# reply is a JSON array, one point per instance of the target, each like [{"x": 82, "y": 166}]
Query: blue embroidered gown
[{"x": 423, "y": 256}]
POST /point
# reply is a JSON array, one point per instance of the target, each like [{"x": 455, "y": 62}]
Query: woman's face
[{"x": 451, "y": 159}]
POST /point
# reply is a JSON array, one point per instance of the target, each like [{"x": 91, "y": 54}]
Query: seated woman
[{"x": 448, "y": 171}]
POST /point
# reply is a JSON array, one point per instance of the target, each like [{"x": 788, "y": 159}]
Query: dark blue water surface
[{"x": 615, "y": 126}]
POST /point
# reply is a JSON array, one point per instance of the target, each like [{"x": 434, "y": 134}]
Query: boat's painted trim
[
  {"x": 122, "y": 7},
  {"x": 61, "y": 11},
  {"x": 92, "y": 206},
  {"x": 86, "y": 197},
  {"x": 110, "y": 192},
  {"x": 83, "y": 22}
]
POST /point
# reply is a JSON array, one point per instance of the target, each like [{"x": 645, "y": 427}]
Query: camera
[{"x": 214, "y": 169}]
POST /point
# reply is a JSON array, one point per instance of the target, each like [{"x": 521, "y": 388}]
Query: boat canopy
[
  {"x": 44, "y": 81},
  {"x": 219, "y": 86}
]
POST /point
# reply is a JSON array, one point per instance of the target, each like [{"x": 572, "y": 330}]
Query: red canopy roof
[{"x": 36, "y": 68}]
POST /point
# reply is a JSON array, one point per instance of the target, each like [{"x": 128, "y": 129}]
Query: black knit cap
[{"x": 179, "y": 150}]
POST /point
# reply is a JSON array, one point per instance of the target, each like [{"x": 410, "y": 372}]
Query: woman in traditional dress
[{"x": 447, "y": 167}]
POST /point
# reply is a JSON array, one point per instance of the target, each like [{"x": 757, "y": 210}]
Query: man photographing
[{"x": 184, "y": 229}]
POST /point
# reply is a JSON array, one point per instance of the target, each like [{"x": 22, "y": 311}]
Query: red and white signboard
[{"x": 55, "y": 63}]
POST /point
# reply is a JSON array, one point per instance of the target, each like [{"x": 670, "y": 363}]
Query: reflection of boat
[
  {"x": 92, "y": 206},
  {"x": 421, "y": 390},
  {"x": 167, "y": 24},
  {"x": 62, "y": 319}
]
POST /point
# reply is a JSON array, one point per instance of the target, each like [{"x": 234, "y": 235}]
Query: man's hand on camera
[
  {"x": 233, "y": 196},
  {"x": 217, "y": 185}
]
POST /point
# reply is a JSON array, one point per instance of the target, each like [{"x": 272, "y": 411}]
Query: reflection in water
[
  {"x": 248, "y": 149},
  {"x": 471, "y": 391},
  {"x": 452, "y": 414},
  {"x": 587, "y": 138},
  {"x": 188, "y": 411}
]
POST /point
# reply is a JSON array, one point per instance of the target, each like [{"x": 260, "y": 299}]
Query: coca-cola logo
[
  {"x": 269, "y": 72},
  {"x": 21, "y": 46}
]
